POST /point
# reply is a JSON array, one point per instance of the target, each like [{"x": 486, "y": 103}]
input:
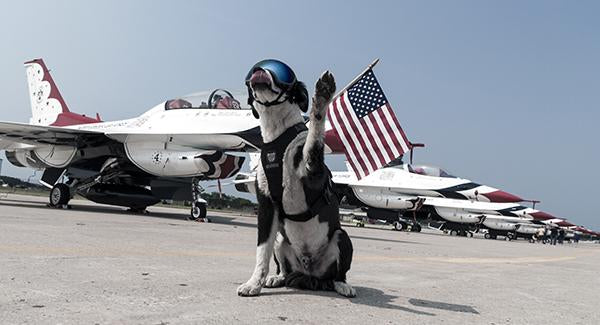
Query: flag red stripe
[
  {"x": 347, "y": 111},
  {"x": 336, "y": 131},
  {"x": 391, "y": 111},
  {"x": 349, "y": 139},
  {"x": 374, "y": 145},
  {"x": 379, "y": 134},
  {"x": 390, "y": 132}
]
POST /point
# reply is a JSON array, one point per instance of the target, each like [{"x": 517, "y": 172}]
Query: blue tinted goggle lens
[{"x": 279, "y": 70}]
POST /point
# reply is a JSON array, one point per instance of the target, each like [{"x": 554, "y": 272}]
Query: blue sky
[{"x": 505, "y": 93}]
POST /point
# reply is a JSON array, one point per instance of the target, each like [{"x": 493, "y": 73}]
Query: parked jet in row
[
  {"x": 403, "y": 193},
  {"x": 135, "y": 162}
]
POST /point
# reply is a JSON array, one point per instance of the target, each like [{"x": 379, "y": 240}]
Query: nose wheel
[
  {"x": 198, "y": 210},
  {"x": 60, "y": 196}
]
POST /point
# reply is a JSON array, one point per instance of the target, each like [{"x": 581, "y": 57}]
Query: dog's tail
[{"x": 303, "y": 281}]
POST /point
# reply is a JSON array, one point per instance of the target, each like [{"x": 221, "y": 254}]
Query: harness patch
[{"x": 271, "y": 157}]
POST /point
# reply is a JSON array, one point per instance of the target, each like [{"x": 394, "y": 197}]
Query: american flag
[{"x": 365, "y": 122}]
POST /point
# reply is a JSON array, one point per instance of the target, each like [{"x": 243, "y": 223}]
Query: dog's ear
[{"x": 299, "y": 95}]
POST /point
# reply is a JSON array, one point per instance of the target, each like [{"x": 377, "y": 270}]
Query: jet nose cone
[{"x": 502, "y": 197}]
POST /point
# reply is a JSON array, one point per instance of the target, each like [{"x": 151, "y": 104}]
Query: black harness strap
[{"x": 271, "y": 157}]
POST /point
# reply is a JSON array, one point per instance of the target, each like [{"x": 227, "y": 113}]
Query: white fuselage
[{"x": 163, "y": 142}]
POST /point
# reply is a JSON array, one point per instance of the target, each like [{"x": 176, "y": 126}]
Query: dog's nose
[{"x": 260, "y": 77}]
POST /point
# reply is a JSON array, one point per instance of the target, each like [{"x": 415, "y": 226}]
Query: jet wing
[{"x": 22, "y": 136}]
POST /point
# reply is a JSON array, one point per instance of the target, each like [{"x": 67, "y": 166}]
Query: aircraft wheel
[
  {"x": 399, "y": 226},
  {"x": 59, "y": 195},
  {"x": 198, "y": 211},
  {"x": 508, "y": 238},
  {"x": 487, "y": 235},
  {"x": 453, "y": 233},
  {"x": 469, "y": 234},
  {"x": 416, "y": 228},
  {"x": 531, "y": 240}
]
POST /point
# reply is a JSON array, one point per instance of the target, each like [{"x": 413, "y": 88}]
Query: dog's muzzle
[{"x": 260, "y": 78}]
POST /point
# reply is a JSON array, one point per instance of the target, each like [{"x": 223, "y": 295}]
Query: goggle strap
[{"x": 276, "y": 100}]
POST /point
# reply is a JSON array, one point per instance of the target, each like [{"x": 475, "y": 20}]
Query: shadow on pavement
[
  {"x": 364, "y": 296},
  {"x": 377, "y": 298},
  {"x": 442, "y": 305}
]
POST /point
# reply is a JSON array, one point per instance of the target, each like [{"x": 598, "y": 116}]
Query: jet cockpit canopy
[
  {"x": 428, "y": 171},
  {"x": 216, "y": 99},
  {"x": 425, "y": 170}
]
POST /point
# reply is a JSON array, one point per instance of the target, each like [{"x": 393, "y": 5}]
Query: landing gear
[
  {"x": 198, "y": 210},
  {"x": 415, "y": 227},
  {"x": 399, "y": 226},
  {"x": 60, "y": 196}
]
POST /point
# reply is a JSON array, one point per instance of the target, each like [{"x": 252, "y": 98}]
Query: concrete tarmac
[{"x": 96, "y": 264}]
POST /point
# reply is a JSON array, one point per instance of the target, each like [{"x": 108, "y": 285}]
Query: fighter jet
[
  {"x": 403, "y": 194},
  {"x": 135, "y": 163},
  {"x": 423, "y": 180},
  {"x": 432, "y": 192}
]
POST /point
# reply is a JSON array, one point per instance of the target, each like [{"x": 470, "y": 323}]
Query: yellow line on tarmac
[
  {"x": 475, "y": 260},
  {"x": 468, "y": 260},
  {"x": 112, "y": 251},
  {"x": 36, "y": 250}
]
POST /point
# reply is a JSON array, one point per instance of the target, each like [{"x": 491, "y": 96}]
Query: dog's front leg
[
  {"x": 313, "y": 148},
  {"x": 268, "y": 223}
]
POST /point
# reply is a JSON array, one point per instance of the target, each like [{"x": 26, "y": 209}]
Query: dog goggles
[{"x": 282, "y": 74}]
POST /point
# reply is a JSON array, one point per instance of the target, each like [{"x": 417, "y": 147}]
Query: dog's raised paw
[
  {"x": 248, "y": 289},
  {"x": 344, "y": 289},
  {"x": 324, "y": 90},
  {"x": 275, "y": 281}
]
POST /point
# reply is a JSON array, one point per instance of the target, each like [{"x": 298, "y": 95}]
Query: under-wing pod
[
  {"x": 454, "y": 215},
  {"x": 136, "y": 197},
  {"x": 42, "y": 157}
]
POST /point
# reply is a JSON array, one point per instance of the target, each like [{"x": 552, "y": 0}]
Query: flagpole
[{"x": 370, "y": 66}]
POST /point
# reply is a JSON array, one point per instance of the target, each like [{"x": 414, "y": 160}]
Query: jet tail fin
[{"x": 47, "y": 104}]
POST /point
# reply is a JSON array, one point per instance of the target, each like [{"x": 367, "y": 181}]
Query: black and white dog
[{"x": 298, "y": 214}]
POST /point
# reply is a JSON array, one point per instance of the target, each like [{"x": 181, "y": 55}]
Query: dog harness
[{"x": 271, "y": 157}]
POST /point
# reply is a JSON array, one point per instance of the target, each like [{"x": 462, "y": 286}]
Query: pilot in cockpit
[
  {"x": 223, "y": 99},
  {"x": 177, "y": 104},
  {"x": 218, "y": 99}
]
